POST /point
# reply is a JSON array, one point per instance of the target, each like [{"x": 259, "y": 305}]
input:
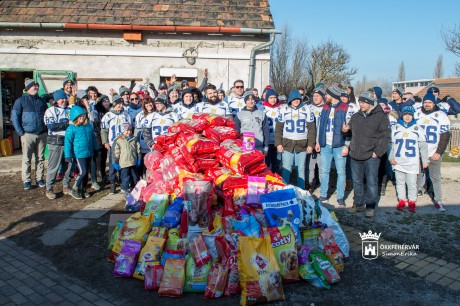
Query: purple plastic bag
[
  {"x": 127, "y": 260},
  {"x": 256, "y": 187},
  {"x": 249, "y": 141}
]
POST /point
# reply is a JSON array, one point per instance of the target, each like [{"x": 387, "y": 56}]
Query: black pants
[
  {"x": 102, "y": 162},
  {"x": 128, "y": 177},
  {"x": 83, "y": 165},
  {"x": 271, "y": 160}
]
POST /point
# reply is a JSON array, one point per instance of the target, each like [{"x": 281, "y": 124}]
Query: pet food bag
[
  {"x": 173, "y": 213},
  {"x": 195, "y": 278},
  {"x": 174, "y": 241},
  {"x": 307, "y": 273},
  {"x": 324, "y": 268},
  {"x": 114, "y": 235},
  {"x": 332, "y": 250},
  {"x": 150, "y": 253},
  {"x": 172, "y": 282},
  {"x": 249, "y": 141},
  {"x": 134, "y": 202},
  {"x": 281, "y": 208},
  {"x": 197, "y": 203},
  {"x": 216, "y": 281},
  {"x": 126, "y": 261},
  {"x": 283, "y": 244},
  {"x": 259, "y": 273},
  {"x": 152, "y": 276},
  {"x": 256, "y": 187},
  {"x": 156, "y": 205},
  {"x": 199, "y": 251}
]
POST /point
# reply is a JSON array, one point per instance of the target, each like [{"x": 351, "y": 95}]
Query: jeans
[
  {"x": 313, "y": 159},
  {"x": 298, "y": 159},
  {"x": 403, "y": 179},
  {"x": 368, "y": 169},
  {"x": 128, "y": 177},
  {"x": 327, "y": 153},
  {"x": 272, "y": 160},
  {"x": 112, "y": 171},
  {"x": 94, "y": 167},
  {"x": 83, "y": 165},
  {"x": 33, "y": 145}
]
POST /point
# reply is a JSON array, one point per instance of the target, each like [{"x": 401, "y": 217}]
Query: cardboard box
[{"x": 114, "y": 218}]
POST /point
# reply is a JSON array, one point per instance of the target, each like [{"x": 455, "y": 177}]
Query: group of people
[{"x": 371, "y": 141}]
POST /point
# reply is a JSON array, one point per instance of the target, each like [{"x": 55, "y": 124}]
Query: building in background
[{"x": 413, "y": 86}]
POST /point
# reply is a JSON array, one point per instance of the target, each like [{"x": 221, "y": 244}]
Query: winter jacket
[
  {"x": 370, "y": 133},
  {"x": 340, "y": 113},
  {"x": 397, "y": 107},
  {"x": 28, "y": 113},
  {"x": 254, "y": 121},
  {"x": 126, "y": 151},
  {"x": 80, "y": 141}
]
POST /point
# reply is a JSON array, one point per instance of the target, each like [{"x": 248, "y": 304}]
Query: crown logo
[{"x": 370, "y": 236}]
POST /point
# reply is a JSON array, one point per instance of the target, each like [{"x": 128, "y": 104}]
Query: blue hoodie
[
  {"x": 80, "y": 141},
  {"x": 378, "y": 92}
]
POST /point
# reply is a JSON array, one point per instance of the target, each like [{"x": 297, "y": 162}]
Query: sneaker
[
  {"x": 85, "y": 194},
  {"x": 75, "y": 194},
  {"x": 75, "y": 174},
  {"x": 27, "y": 185},
  {"x": 412, "y": 206},
  {"x": 341, "y": 203},
  {"x": 41, "y": 183},
  {"x": 322, "y": 199},
  {"x": 112, "y": 188},
  {"x": 439, "y": 206},
  {"x": 95, "y": 186},
  {"x": 50, "y": 194},
  {"x": 369, "y": 213},
  {"x": 420, "y": 193},
  {"x": 401, "y": 205},
  {"x": 65, "y": 190},
  {"x": 356, "y": 208}
]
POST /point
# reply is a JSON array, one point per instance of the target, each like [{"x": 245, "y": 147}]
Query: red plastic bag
[
  {"x": 152, "y": 160},
  {"x": 182, "y": 126},
  {"x": 205, "y": 164},
  {"x": 198, "y": 145},
  {"x": 216, "y": 121},
  {"x": 200, "y": 252},
  {"x": 217, "y": 280},
  {"x": 237, "y": 160},
  {"x": 221, "y": 133},
  {"x": 156, "y": 184}
]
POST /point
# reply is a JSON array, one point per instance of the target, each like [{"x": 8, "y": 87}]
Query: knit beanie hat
[
  {"x": 407, "y": 110},
  {"x": 103, "y": 98},
  {"x": 367, "y": 97},
  {"x": 29, "y": 83},
  {"x": 344, "y": 94},
  {"x": 383, "y": 100},
  {"x": 251, "y": 95},
  {"x": 186, "y": 91},
  {"x": 123, "y": 91},
  {"x": 184, "y": 83},
  {"x": 433, "y": 88},
  {"x": 319, "y": 91},
  {"x": 334, "y": 92},
  {"x": 399, "y": 90},
  {"x": 126, "y": 126},
  {"x": 116, "y": 99},
  {"x": 170, "y": 90},
  {"x": 67, "y": 80},
  {"x": 429, "y": 97},
  {"x": 162, "y": 98},
  {"x": 59, "y": 94},
  {"x": 270, "y": 92},
  {"x": 162, "y": 86}
]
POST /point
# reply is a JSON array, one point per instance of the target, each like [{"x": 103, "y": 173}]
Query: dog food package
[
  {"x": 136, "y": 227},
  {"x": 238, "y": 160},
  {"x": 114, "y": 235},
  {"x": 256, "y": 187},
  {"x": 127, "y": 259},
  {"x": 323, "y": 267},
  {"x": 249, "y": 141},
  {"x": 150, "y": 252},
  {"x": 173, "y": 213},
  {"x": 283, "y": 244},
  {"x": 258, "y": 213},
  {"x": 173, "y": 278},
  {"x": 281, "y": 208},
  {"x": 307, "y": 273},
  {"x": 171, "y": 254},
  {"x": 159, "y": 232},
  {"x": 302, "y": 254},
  {"x": 259, "y": 273},
  {"x": 152, "y": 276},
  {"x": 199, "y": 251},
  {"x": 249, "y": 226},
  {"x": 152, "y": 160},
  {"x": 183, "y": 126},
  {"x": 310, "y": 238},
  {"x": 216, "y": 281},
  {"x": 233, "y": 286},
  {"x": 195, "y": 278},
  {"x": 156, "y": 206},
  {"x": 197, "y": 196},
  {"x": 174, "y": 241},
  {"x": 331, "y": 249},
  {"x": 198, "y": 145},
  {"x": 307, "y": 207}
]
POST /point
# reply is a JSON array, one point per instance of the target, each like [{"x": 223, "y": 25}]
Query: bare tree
[
  {"x": 451, "y": 39},
  {"x": 401, "y": 72},
  {"x": 361, "y": 85},
  {"x": 364, "y": 84},
  {"x": 438, "y": 69},
  {"x": 457, "y": 70}
]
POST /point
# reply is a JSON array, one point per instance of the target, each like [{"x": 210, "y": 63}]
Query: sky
[{"x": 377, "y": 34}]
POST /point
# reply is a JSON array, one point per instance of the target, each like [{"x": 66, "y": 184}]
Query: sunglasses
[
  {"x": 132, "y": 99},
  {"x": 239, "y": 87}
]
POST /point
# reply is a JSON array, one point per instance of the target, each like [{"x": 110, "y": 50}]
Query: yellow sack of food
[
  {"x": 150, "y": 252},
  {"x": 259, "y": 274}
]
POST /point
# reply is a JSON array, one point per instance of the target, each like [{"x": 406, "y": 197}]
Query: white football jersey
[
  {"x": 218, "y": 109},
  {"x": 272, "y": 114},
  {"x": 184, "y": 112},
  {"x": 160, "y": 122},
  {"x": 114, "y": 124},
  {"x": 353, "y": 108},
  {"x": 434, "y": 124},
  {"x": 295, "y": 121},
  {"x": 56, "y": 114},
  {"x": 141, "y": 123},
  {"x": 405, "y": 142},
  {"x": 236, "y": 104},
  {"x": 316, "y": 112}
]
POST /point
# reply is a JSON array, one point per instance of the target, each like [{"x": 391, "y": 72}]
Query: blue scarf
[{"x": 407, "y": 125}]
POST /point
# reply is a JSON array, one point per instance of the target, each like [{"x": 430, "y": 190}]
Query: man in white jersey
[
  {"x": 314, "y": 159},
  {"x": 236, "y": 101},
  {"x": 111, "y": 127},
  {"x": 272, "y": 112},
  {"x": 57, "y": 121},
  {"x": 186, "y": 108},
  {"x": 436, "y": 125},
  {"x": 213, "y": 105}
]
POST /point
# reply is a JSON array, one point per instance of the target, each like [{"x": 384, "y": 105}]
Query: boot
[
  {"x": 412, "y": 206},
  {"x": 401, "y": 205}
]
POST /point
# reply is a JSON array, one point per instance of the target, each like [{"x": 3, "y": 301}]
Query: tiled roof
[
  {"x": 198, "y": 13},
  {"x": 447, "y": 86}
]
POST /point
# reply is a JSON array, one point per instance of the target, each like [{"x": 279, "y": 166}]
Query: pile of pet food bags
[{"x": 213, "y": 219}]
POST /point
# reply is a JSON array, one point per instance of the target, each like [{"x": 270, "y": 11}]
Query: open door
[{"x": 51, "y": 80}]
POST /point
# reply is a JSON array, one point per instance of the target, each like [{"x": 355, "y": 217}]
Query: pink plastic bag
[{"x": 152, "y": 160}]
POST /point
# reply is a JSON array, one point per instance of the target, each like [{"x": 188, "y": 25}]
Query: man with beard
[
  {"x": 187, "y": 106},
  {"x": 213, "y": 105}
]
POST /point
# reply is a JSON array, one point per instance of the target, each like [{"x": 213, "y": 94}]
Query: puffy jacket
[
  {"x": 80, "y": 141},
  {"x": 340, "y": 113},
  {"x": 28, "y": 113},
  {"x": 126, "y": 151},
  {"x": 369, "y": 133},
  {"x": 397, "y": 107}
]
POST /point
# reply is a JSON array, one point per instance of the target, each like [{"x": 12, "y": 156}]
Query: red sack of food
[
  {"x": 230, "y": 123},
  {"x": 173, "y": 278},
  {"x": 157, "y": 183},
  {"x": 221, "y": 133},
  {"x": 235, "y": 181},
  {"x": 183, "y": 126},
  {"x": 197, "y": 196},
  {"x": 232, "y": 143},
  {"x": 205, "y": 164},
  {"x": 199, "y": 251},
  {"x": 152, "y": 160},
  {"x": 187, "y": 156},
  {"x": 206, "y": 156},
  {"x": 216, "y": 121},
  {"x": 181, "y": 162},
  {"x": 198, "y": 145},
  {"x": 166, "y": 139},
  {"x": 152, "y": 276},
  {"x": 217, "y": 280},
  {"x": 257, "y": 168},
  {"x": 226, "y": 251},
  {"x": 237, "y": 160}
]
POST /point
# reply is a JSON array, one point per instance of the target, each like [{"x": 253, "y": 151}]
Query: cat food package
[
  {"x": 199, "y": 251},
  {"x": 195, "y": 278},
  {"x": 331, "y": 249},
  {"x": 256, "y": 187},
  {"x": 127, "y": 259},
  {"x": 150, "y": 253},
  {"x": 174, "y": 241},
  {"x": 310, "y": 238},
  {"x": 302, "y": 254},
  {"x": 307, "y": 273},
  {"x": 172, "y": 282},
  {"x": 249, "y": 141},
  {"x": 216, "y": 281},
  {"x": 159, "y": 232},
  {"x": 259, "y": 273},
  {"x": 171, "y": 254},
  {"x": 323, "y": 267},
  {"x": 283, "y": 244},
  {"x": 156, "y": 205},
  {"x": 152, "y": 276},
  {"x": 114, "y": 235},
  {"x": 281, "y": 208},
  {"x": 248, "y": 225}
]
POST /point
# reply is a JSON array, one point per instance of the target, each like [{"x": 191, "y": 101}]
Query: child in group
[
  {"x": 408, "y": 146},
  {"x": 127, "y": 158},
  {"x": 80, "y": 144}
]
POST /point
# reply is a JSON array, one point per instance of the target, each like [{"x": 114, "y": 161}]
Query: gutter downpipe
[{"x": 252, "y": 60}]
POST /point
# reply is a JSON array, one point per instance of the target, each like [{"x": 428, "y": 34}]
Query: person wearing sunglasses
[
  {"x": 135, "y": 107},
  {"x": 236, "y": 101}
]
